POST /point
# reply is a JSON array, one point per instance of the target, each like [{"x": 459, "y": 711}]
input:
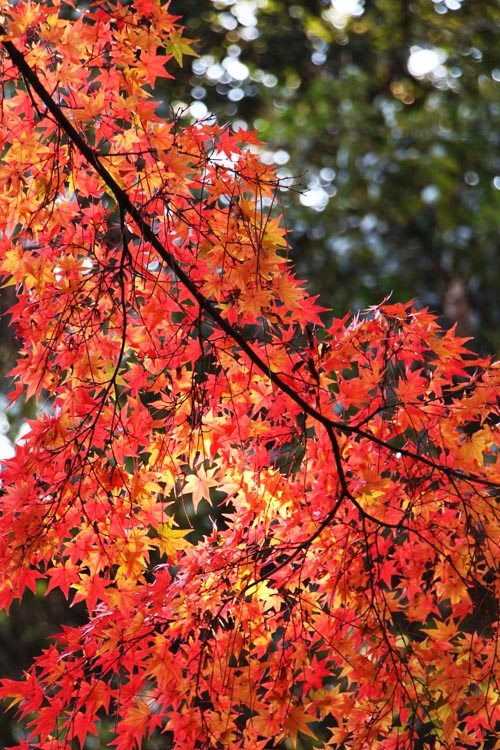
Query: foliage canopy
[{"x": 347, "y": 587}]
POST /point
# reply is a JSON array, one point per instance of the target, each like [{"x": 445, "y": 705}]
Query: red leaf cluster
[{"x": 348, "y": 589}]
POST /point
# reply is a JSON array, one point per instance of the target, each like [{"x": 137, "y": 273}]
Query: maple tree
[{"x": 347, "y": 591}]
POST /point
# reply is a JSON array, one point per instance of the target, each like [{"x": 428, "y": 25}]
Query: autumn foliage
[{"x": 283, "y": 531}]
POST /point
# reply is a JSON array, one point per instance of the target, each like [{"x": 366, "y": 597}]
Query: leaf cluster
[{"x": 348, "y": 588}]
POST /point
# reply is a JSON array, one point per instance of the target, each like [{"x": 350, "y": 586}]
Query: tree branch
[{"x": 125, "y": 205}]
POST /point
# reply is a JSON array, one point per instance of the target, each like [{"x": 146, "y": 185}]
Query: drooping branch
[
  {"x": 126, "y": 206},
  {"x": 343, "y": 581}
]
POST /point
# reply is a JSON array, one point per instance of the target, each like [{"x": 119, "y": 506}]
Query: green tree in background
[{"x": 387, "y": 115}]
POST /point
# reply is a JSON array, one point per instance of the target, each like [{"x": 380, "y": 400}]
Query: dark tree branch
[{"x": 126, "y": 206}]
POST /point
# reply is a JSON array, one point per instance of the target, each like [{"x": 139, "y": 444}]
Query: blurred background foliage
[{"x": 383, "y": 120}]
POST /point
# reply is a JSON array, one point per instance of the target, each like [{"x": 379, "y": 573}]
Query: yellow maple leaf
[
  {"x": 171, "y": 540},
  {"x": 471, "y": 450},
  {"x": 178, "y": 46}
]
